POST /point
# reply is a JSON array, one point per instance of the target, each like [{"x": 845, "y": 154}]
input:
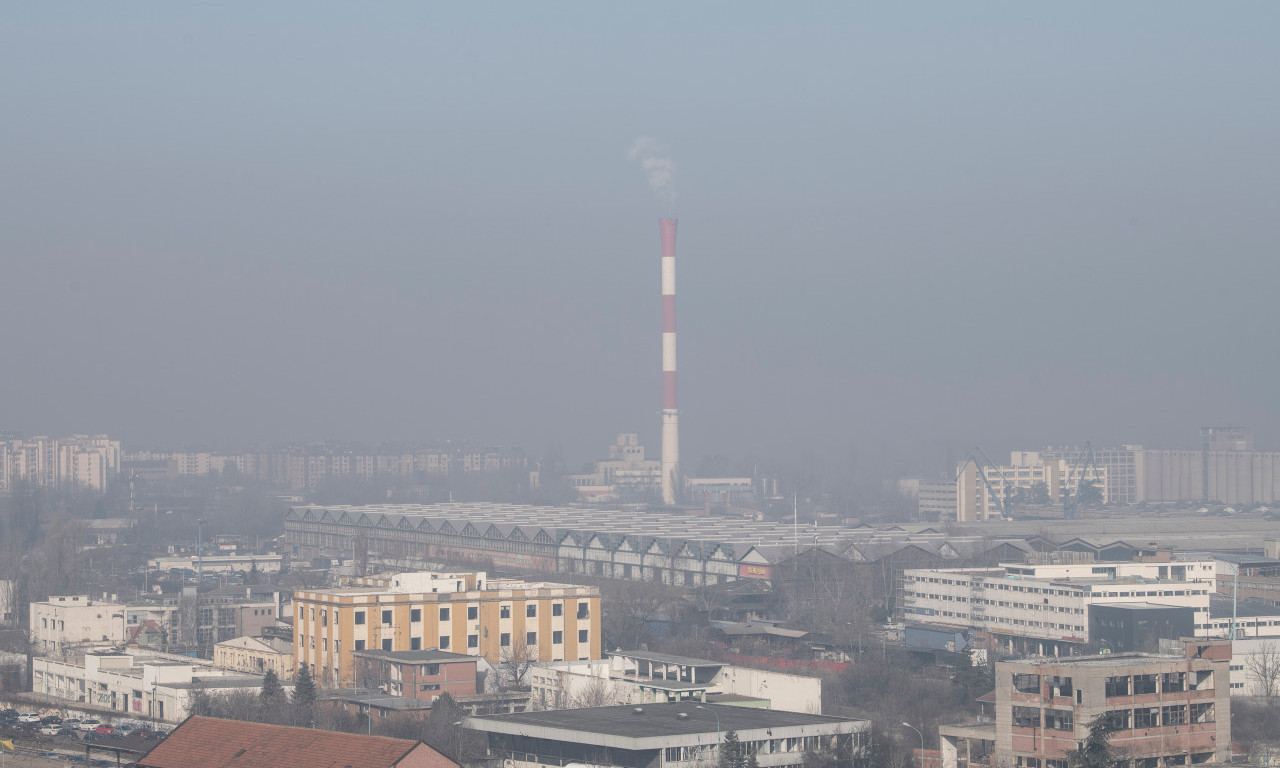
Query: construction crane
[
  {"x": 1085, "y": 462},
  {"x": 981, "y": 461}
]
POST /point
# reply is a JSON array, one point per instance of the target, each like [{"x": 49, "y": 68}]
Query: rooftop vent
[
  {"x": 638, "y": 711},
  {"x": 682, "y": 716}
]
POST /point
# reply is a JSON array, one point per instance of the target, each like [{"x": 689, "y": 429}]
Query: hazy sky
[{"x": 905, "y": 228}]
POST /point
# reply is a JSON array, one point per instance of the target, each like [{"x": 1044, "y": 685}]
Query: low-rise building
[
  {"x": 205, "y": 742},
  {"x": 420, "y": 675},
  {"x": 258, "y": 655},
  {"x": 643, "y": 677},
  {"x": 503, "y": 620},
  {"x": 64, "y": 623},
  {"x": 683, "y": 734},
  {"x": 1167, "y": 709},
  {"x": 155, "y": 687}
]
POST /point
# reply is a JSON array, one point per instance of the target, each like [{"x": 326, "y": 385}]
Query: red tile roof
[{"x": 207, "y": 742}]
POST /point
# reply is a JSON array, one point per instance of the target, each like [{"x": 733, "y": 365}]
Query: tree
[
  {"x": 732, "y": 752},
  {"x": 271, "y": 690},
  {"x": 1095, "y": 751},
  {"x": 596, "y": 692},
  {"x": 304, "y": 696},
  {"x": 515, "y": 661},
  {"x": 1039, "y": 493},
  {"x": 1088, "y": 494},
  {"x": 1263, "y": 668}
]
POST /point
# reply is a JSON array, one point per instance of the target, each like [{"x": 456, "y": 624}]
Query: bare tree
[
  {"x": 514, "y": 663},
  {"x": 597, "y": 692},
  {"x": 1263, "y": 668}
]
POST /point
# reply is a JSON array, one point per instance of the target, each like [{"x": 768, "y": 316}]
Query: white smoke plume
[{"x": 659, "y": 170}]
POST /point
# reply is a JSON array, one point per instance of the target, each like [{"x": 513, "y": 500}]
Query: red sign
[{"x": 747, "y": 571}]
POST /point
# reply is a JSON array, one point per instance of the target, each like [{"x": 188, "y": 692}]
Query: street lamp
[
  {"x": 717, "y": 714},
  {"x": 917, "y": 730}
]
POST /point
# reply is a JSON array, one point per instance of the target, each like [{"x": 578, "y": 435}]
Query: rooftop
[
  {"x": 425, "y": 656},
  {"x": 629, "y": 726},
  {"x": 666, "y": 658},
  {"x": 206, "y": 742},
  {"x": 1103, "y": 660}
]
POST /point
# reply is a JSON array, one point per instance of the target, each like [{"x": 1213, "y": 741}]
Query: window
[
  {"x": 444, "y": 614},
  {"x": 473, "y": 612},
  {"x": 415, "y": 643},
  {"x": 1059, "y": 720},
  {"x": 1144, "y": 684},
  {"x": 530, "y": 638},
  {"x": 1026, "y": 683},
  {"x": 1026, "y": 717},
  {"x": 504, "y": 639},
  {"x": 582, "y": 635},
  {"x": 324, "y": 644},
  {"x": 444, "y": 642},
  {"x": 531, "y": 610},
  {"x": 429, "y": 687},
  {"x": 557, "y": 609},
  {"x": 1146, "y": 718},
  {"x": 1175, "y": 714},
  {"x": 386, "y": 644},
  {"x": 473, "y": 641},
  {"x": 1117, "y": 686},
  {"x": 386, "y": 617},
  {"x": 415, "y": 615},
  {"x": 359, "y": 645},
  {"x": 557, "y": 638},
  {"x": 359, "y": 617},
  {"x": 1119, "y": 719},
  {"x": 584, "y": 610},
  {"x": 1202, "y": 713},
  {"x": 504, "y": 612}
]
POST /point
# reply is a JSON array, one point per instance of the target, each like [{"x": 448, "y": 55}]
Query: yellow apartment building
[{"x": 466, "y": 613}]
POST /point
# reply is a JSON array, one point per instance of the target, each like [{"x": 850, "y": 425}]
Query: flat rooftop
[
  {"x": 1103, "y": 660},
  {"x": 666, "y": 658},
  {"x": 653, "y": 721}
]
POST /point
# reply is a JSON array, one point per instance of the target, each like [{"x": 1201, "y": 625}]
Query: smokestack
[{"x": 670, "y": 414}]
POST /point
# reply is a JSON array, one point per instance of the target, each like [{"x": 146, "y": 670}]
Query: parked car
[
  {"x": 50, "y": 720},
  {"x": 88, "y": 724},
  {"x": 9, "y": 713},
  {"x": 105, "y": 729},
  {"x": 27, "y": 718}
]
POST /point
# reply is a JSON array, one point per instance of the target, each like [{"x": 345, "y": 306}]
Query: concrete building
[
  {"x": 77, "y": 461},
  {"x": 146, "y": 686},
  {"x": 1168, "y": 709},
  {"x": 7, "y": 617},
  {"x": 217, "y": 563},
  {"x": 644, "y": 677},
  {"x": 1043, "y": 607},
  {"x": 64, "y": 623},
  {"x": 500, "y": 619},
  {"x": 978, "y": 500},
  {"x": 936, "y": 499},
  {"x": 257, "y": 655},
  {"x": 625, "y": 476},
  {"x": 684, "y": 735},
  {"x": 417, "y": 675},
  {"x": 206, "y": 742}
]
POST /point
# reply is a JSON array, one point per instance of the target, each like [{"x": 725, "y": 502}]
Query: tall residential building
[
  {"x": 76, "y": 461},
  {"x": 977, "y": 499},
  {"x": 468, "y": 613}
]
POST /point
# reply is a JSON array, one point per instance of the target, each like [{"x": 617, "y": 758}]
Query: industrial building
[
  {"x": 680, "y": 735},
  {"x": 466, "y": 613}
]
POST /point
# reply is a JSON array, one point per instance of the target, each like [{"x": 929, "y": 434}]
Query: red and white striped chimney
[{"x": 670, "y": 413}]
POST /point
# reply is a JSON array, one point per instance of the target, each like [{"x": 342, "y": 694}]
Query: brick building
[{"x": 418, "y": 675}]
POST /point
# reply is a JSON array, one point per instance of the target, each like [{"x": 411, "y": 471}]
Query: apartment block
[
  {"x": 465, "y": 613},
  {"x": 1167, "y": 709}
]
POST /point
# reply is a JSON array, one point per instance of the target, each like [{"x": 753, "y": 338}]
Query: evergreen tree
[
  {"x": 304, "y": 697},
  {"x": 732, "y": 753},
  {"x": 1095, "y": 751},
  {"x": 271, "y": 689}
]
